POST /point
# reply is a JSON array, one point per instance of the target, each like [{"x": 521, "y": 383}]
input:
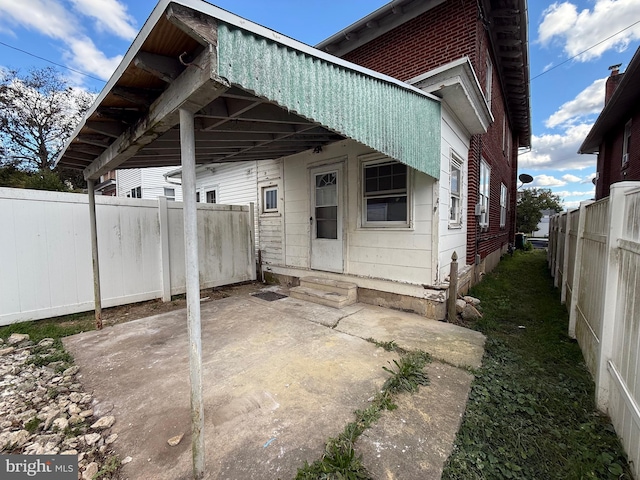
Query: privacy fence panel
[
  {"x": 45, "y": 251},
  {"x": 603, "y": 299}
]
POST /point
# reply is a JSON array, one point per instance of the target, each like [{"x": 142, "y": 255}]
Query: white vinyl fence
[
  {"x": 45, "y": 251},
  {"x": 594, "y": 254}
]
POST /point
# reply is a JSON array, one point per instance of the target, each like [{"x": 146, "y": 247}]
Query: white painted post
[
  {"x": 97, "y": 300},
  {"x": 187, "y": 151},
  {"x": 577, "y": 266},
  {"x": 252, "y": 241},
  {"x": 609, "y": 304},
  {"x": 557, "y": 264},
  {"x": 565, "y": 259},
  {"x": 165, "y": 266}
]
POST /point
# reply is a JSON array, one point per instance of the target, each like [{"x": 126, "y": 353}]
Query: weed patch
[
  {"x": 339, "y": 461},
  {"x": 531, "y": 412}
]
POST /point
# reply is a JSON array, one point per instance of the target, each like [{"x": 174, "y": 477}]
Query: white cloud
[
  {"x": 567, "y": 193},
  {"x": 578, "y": 31},
  {"x": 51, "y": 19},
  {"x": 547, "y": 181},
  {"x": 109, "y": 15},
  {"x": 570, "y": 178},
  {"x": 589, "y": 178},
  {"x": 588, "y": 102},
  {"x": 558, "y": 151}
]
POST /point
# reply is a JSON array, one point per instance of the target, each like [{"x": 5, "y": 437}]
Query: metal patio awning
[{"x": 255, "y": 94}]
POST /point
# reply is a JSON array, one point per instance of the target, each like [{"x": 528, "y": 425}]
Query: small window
[
  {"x": 503, "y": 205},
  {"x": 485, "y": 174},
  {"x": 136, "y": 192},
  {"x": 455, "y": 187},
  {"x": 385, "y": 194},
  {"x": 211, "y": 196},
  {"x": 197, "y": 197},
  {"x": 489, "y": 80},
  {"x": 170, "y": 193},
  {"x": 270, "y": 199},
  {"x": 626, "y": 143}
]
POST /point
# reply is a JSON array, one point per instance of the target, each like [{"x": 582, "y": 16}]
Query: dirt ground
[{"x": 134, "y": 311}]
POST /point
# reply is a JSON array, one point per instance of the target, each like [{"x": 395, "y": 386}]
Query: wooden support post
[
  {"x": 187, "y": 147},
  {"x": 453, "y": 289},
  {"x": 94, "y": 253}
]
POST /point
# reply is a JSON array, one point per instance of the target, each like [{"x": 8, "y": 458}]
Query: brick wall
[
  {"x": 445, "y": 33},
  {"x": 610, "y": 159}
]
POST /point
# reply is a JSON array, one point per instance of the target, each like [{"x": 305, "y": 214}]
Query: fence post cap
[{"x": 454, "y": 256}]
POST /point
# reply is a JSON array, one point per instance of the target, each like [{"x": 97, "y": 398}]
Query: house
[
  {"x": 615, "y": 136},
  {"x": 375, "y": 155}
]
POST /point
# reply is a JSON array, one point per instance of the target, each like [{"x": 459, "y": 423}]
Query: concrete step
[
  {"x": 347, "y": 289},
  {"x": 322, "y": 297}
]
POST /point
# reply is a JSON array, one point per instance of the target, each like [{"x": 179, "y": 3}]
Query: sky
[{"x": 571, "y": 45}]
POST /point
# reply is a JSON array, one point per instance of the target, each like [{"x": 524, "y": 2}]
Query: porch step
[{"x": 325, "y": 291}]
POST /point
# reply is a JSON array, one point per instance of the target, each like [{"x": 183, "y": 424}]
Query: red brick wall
[
  {"x": 610, "y": 162},
  {"x": 443, "y": 34}
]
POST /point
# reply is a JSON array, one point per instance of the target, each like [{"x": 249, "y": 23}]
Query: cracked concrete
[{"x": 277, "y": 384}]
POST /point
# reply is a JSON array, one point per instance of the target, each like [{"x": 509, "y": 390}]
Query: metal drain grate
[{"x": 269, "y": 296}]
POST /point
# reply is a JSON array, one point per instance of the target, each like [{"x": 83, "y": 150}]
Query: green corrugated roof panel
[{"x": 396, "y": 121}]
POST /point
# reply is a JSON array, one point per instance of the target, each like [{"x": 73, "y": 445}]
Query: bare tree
[{"x": 38, "y": 113}]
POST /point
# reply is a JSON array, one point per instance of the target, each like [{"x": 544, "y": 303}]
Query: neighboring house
[
  {"x": 615, "y": 136},
  {"x": 374, "y": 178},
  {"x": 147, "y": 183},
  {"x": 108, "y": 184}
]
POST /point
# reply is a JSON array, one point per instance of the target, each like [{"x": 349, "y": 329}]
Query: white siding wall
[
  {"x": 271, "y": 230},
  {"x": 151, "y": 180},
  {"x": 400, "y": 254},
  {"x": 452, "y": 238}
]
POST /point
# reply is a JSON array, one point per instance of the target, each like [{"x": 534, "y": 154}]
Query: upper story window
[
  {"x": 455, "y": 189},
  {"x": 211, "y": 196},
  {"x": 485, "y": 177},
  {"x": 135, "y": 192},
  {"x": 489, "y": 80},
  {"x": 385, "y": 193},
  {"x": 626, "y": 143}
]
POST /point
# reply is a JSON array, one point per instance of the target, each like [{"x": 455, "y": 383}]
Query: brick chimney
[{"x": 612, "y": 82}]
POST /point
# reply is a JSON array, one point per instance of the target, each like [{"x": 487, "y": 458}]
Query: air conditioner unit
[
  {"x": 625, "y": 158},
  {"x": 479, "y": 209}
]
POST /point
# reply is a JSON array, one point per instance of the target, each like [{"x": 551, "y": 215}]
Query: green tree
[
  {"x": 38, "y": 112},
  {"x": 531, "y": 203}
]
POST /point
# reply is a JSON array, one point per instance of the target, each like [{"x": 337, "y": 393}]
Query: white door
[{"x": 326, "y": 218}]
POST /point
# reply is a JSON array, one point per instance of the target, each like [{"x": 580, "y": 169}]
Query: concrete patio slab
[{"x": 277, "y": 385}]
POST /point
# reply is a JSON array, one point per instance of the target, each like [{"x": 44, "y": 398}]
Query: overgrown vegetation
[
  {"x": 339, "y": 461},
  {"x": 531, "y": 411},
  {"x": 55, "y": 328}
]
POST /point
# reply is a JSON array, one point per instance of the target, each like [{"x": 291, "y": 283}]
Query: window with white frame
[
  {"x": 211, "y": 196},
  {"x": 270, "y": 199},
  {"x": 626, "y": 143},
  {"x": 170, "y": 193},
  {"x": 136, "y": 192},
  {"x": 489, "y": 80},
  {"x": 385, "y": 193},
  {"x": 197, "y": 197},
  {"x": 485, "y": 174},
  {"x": 455, "y": 189},
  {"x": 503, "y": 205}
]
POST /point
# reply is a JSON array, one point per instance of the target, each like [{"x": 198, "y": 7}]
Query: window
[
  {"x": 503, "y": 205},
  {"x": 170, "y": 193},
  {"x": 270, "y": 199},
  {"x": 197, "y": 197},
  {"x": 626, "y": 143},
  {"x": 455, "y": 184},
  {"x": 485, "y": 173},
  {"x": 211, "y": 196},
  {"x": 489, "y": 80},
  {"x": 385, "y": 194},
  {"x": 136, "y": 192}
]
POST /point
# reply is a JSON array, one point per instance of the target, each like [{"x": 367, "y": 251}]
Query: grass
[
  {"x": 55, "y": 328},
  {"x": 531, "y": 412},
  {"x": 339, "y": 461}
]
